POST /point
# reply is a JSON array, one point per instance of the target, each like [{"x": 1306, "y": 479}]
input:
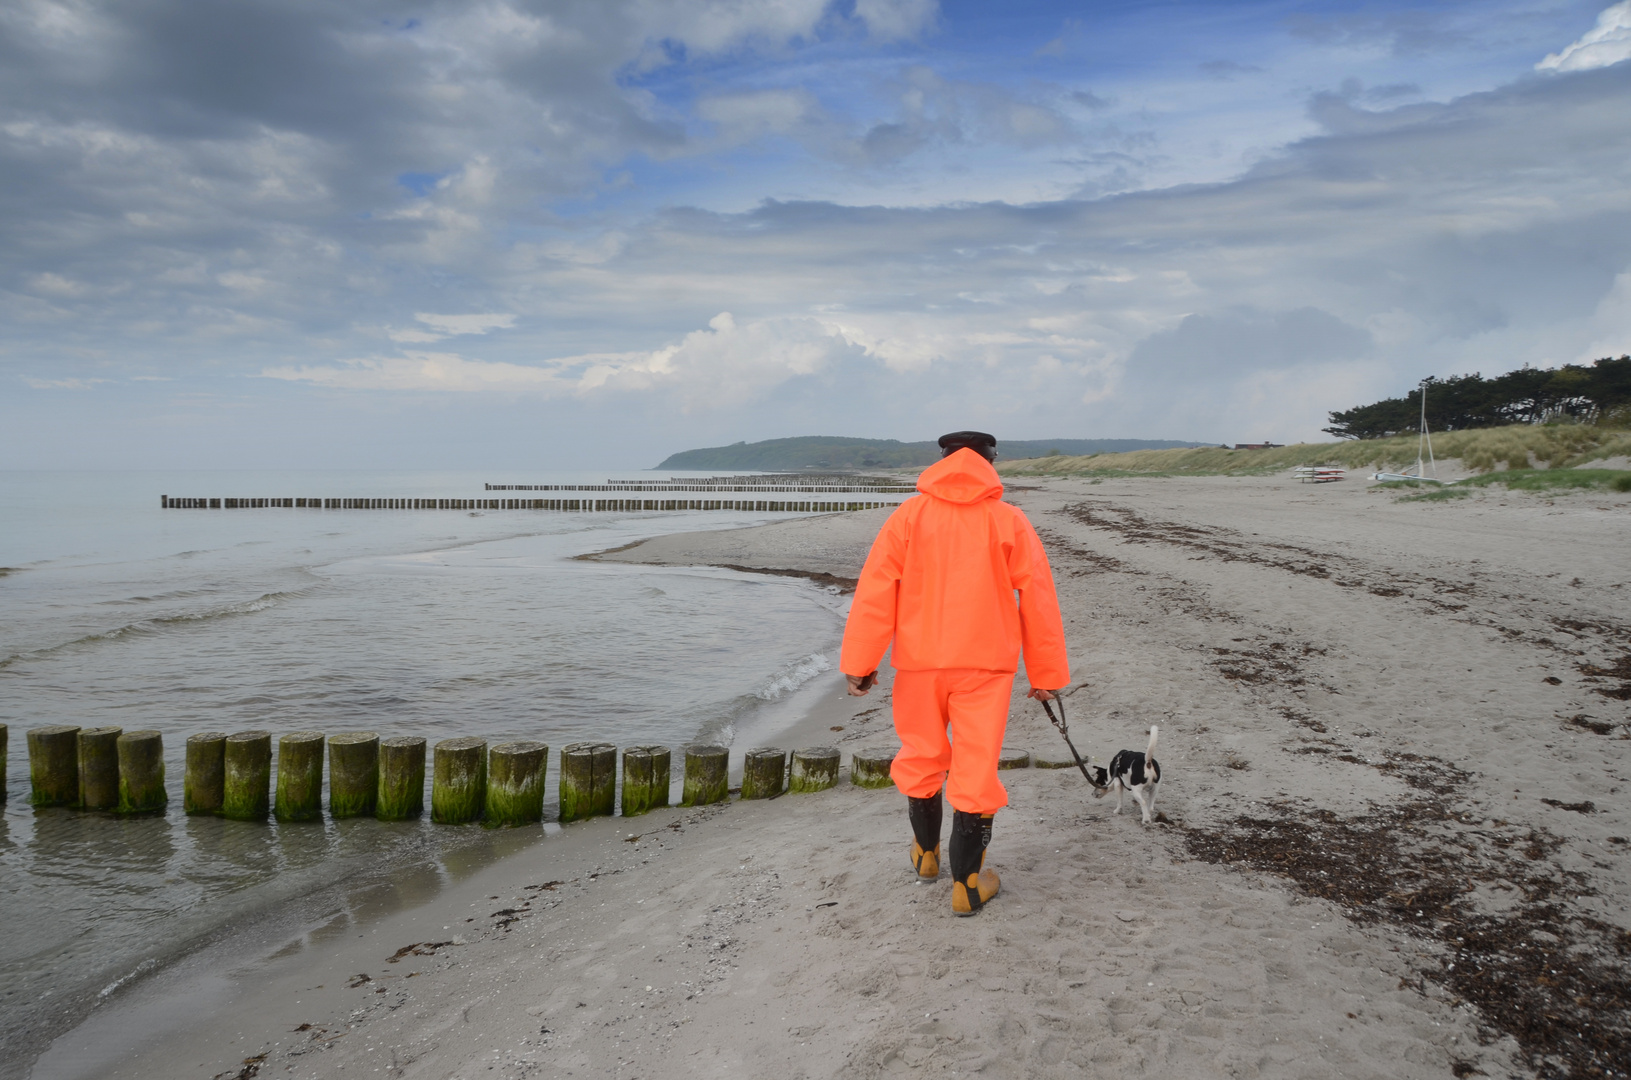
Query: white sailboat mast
[{"x": 1424, "y": 437}]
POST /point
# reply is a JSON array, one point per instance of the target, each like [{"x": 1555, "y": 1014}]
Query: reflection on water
[{"x": 407, "y": 624}]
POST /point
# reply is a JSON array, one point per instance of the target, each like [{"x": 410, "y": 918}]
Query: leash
[{"x": 1064, "y": 729}]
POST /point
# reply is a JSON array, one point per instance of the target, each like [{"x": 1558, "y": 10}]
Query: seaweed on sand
[{"x": 1555, "y": 979}]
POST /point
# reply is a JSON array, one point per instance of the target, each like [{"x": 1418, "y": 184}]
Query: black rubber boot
[
  {"x": 925, "y": 816},
  {"x": 972, "y": 885}
]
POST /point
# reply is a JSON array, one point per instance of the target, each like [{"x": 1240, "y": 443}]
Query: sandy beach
[{"x": 1392, "y": 842}]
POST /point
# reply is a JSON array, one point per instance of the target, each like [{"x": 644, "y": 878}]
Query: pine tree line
[{"x": 1529, "y": 395}]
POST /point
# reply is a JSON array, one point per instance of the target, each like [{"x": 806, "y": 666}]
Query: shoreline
[
  {"x": 1362, "y": 702},
  {"x": 56, "y": 1006}
]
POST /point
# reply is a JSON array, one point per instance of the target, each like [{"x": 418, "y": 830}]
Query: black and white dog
[{"x": 1131, "y": 771}]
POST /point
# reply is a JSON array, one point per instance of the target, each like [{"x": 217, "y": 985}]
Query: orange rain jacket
[{"x": 940, "y": 581}]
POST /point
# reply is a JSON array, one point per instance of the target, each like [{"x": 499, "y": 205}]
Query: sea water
[{"x": 114, "y": 612}]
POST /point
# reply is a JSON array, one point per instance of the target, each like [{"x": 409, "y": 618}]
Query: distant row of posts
[
  {"x": 801, "y": 506},
  {"x": 716, "y": 484},
  {"x": 231, "y": 776}
]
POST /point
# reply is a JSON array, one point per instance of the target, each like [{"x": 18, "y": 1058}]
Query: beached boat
[{"x": 1424, "y": 439}]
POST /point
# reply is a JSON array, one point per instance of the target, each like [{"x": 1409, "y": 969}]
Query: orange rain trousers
[{"x": 971, "y": 704}]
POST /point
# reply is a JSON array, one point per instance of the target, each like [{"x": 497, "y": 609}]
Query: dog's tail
[{"x": 1149, "y": 751}]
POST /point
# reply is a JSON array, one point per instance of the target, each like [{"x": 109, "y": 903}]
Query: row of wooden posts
[
  {"x": 705, "y": 485},
  {"x": 231, "y": 776},
  {"x": 810, "y": 506}
]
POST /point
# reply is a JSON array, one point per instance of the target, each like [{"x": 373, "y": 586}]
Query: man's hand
[
  {"x": 859, "y": 685},
  {"x": 1043, "y": 695}
]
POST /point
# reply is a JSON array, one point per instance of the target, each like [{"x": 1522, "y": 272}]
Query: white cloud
[
  {"x": 464, "y": 324},
  {"x": 62, "y": 384},
  {"x": 413, "y": 336},
  {"x": 715, "y": 26},
  {"x": 743, "y": 116},
  {"x": 721, "y": 366},
  {"x": 729, "y": 364},
  {"x": 1610, "y": 327},
  {"x": 50, "y": 284},
  {"x": 1609, "y": 42},
  {"x": 897, "y": 19},
  {"x": 422, "y": 371},
  {"x": 242, "y": 282}
]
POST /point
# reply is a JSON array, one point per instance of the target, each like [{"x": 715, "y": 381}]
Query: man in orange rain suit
[{"x": 957, "y": 579}]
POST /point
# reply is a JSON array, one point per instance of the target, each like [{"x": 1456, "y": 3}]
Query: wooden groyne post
[
  {"x": 5, "y": 735},
  {"x": 247, "y": 776},
  {"x": 707, "y": 775},
  {"x": 458, "y": 791},
  {"x": 401, "y": 778},
  {"x": 53, "y": 765},
  {"x": 588, "y": 781},
  {"x": 814, "y": 769},
  {"x": 645, "y": 778},
  {"x": 764, "y": 772},
  {"x": 141, "y": 773},
  {"x": 353, "y": 774},
  {"x": 870, "y": 768},
  {"x": 515, "y": 783},
  {"x": 299, "y": 776},
  {"x": 203, "y": 787},
  {"x": 99, "y": 768}
]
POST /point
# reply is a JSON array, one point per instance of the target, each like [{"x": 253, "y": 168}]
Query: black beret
[{"x": 977, "y": 441}]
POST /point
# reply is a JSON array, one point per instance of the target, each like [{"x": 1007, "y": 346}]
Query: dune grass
[
  {"x": 1519, "y": 446},
  {"x": 1440, "y": 495},
  {"x": 1552, "y": 479},
  {"x": 1516, "y": 480}
]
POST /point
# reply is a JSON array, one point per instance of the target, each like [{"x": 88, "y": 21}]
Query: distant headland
[{"x": 836, "y": 452}]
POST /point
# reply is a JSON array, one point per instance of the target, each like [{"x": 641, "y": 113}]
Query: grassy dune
[{"x": 1519, "y": 446}]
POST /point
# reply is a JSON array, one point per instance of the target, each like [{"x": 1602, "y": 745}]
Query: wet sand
[{"x": 1392, "y": 841}]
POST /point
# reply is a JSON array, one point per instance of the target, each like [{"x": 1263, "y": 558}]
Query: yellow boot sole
[
  {"x": 970, "y": 896},
  {"x": 926, "y": 863}
]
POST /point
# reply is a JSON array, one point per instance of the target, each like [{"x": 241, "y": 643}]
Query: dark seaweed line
[{"x": 1135, "y": 529}]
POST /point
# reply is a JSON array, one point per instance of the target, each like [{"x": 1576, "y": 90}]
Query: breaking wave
[
  {"x": 141, "y": 969},
  {"x": 794, "y": 676},
  {"x": 159, "y": 623}
]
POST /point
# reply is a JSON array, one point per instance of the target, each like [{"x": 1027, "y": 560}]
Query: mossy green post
[
  {"x": 814, "y": 769},
  {"x": 870, "y": 768},
  {"x": 588, "y": 780},
  {"x": 401, "y": 778},
  {"x": 53, "y": 765},
  {"x": 247, "y": 776},
  {"x": 515, "y": 783},
  {"x": 203, "y": 786},
  {"x": 764, "y": 772},
  {"x": 5, "y": 735},
  {"x": 141, "y": 773},
  {"x": 707, "y": 777},
  {"x": 299, "y": 776},
  {"x": 645, "y": 778},
  {"x": 458, "y": 790},
  {"x": 353, "y": 774},
  {"x": 98, "y": 754}
]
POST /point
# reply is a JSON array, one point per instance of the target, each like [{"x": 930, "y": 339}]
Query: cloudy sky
[{"x": 592, "y": 232}]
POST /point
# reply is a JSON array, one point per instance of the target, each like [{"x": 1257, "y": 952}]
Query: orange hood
[{"x": 964, "y": 477}]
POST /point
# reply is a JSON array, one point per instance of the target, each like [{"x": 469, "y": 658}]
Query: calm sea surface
[{"x": 434, "y": 623}]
